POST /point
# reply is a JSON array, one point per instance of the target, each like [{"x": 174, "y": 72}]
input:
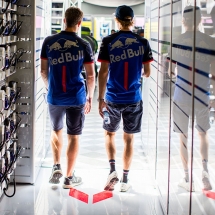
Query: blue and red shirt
[
  {"x": 66, "y": 53},
  {"x": 125, "y": 52}
]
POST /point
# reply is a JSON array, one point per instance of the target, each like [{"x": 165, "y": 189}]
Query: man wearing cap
[
  {"x": 140, "y": 32},
  {"x": 113, "y": 31},
  {"x": 122, "y": 55},
  {"x": 182, "y": 57}
]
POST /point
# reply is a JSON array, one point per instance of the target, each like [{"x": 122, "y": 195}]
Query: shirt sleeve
[
  {"x": 103, "y": 52},
  {"x": 43, "y": 54},
  {"x": 88, "y": 56},
  {"x": 147, "y": 57}
]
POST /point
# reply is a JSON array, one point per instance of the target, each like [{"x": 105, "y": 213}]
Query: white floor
[
  {"x": 92, "y": 165},
  {"x": 45, "y": 199}
]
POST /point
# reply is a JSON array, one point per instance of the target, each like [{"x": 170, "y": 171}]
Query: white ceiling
[{"x": 114, "y": 3}]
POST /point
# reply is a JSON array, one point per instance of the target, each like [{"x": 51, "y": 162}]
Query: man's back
[
  {"x": 125, "y": 52},
  {"x": 66, "y": 54}
]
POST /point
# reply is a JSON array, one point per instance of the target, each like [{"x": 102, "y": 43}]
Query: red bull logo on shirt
[
  {"x": 66, "y": 57},
  {"x": 69, "y": 44},
  {"x": 117, "y": 44},
  {"x": 129, "y": 41},
  {"x": 56, "y": 46},
  {"x": 123, "y": 43},
  {"x": 129, "y": 53}
]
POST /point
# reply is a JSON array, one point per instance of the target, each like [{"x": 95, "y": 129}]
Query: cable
[
  {"x": 17, "y": 125},
  {"x": 2, "y": 28},
  {"x": 23, "y": 51},
  {"x": 8, "y": 4},
  {"x": 5, "y": 173},
  {"x": 14, "y": 130},
  {"x": 14, "y": 1},
  {"x": 13, "y": 100},
  {"x": 14, "y": 181},
  {"x": 1, "y": 145},
  {"x": 13, "y": 23},
  {"x": 17, "y": 29},
  {"x": 8, "y": 169},
  {"x": 14, "y": 185},
  {"x": 13, "y": 60}
]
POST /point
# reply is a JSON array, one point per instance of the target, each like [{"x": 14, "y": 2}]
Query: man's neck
[
  {"x": 125, "y": 29},
  {"x": 74, "y": 30}
]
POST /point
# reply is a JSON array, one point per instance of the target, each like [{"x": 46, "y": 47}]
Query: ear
[{"x": 79, "y": 23}]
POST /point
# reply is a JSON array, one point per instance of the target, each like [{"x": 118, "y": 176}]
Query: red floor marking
[
  {"x": 102, "y": 196},
  {"x": 209, "y": 194},
  {"x": 79, "y": 195}
]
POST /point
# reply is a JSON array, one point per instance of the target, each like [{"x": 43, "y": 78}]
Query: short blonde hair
[
  {"x": 73, "y": 15},
  {"x": 126, "y": 24}
]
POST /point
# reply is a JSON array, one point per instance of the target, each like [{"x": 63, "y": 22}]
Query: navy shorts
[
  {"x": 74, "y": 118},
  {"x": 181, "y": 116},
  {"x": 130, "y": 113}
]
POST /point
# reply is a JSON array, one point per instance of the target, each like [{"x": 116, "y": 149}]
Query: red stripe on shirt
[
  {"x": 126, "y": 75},
  {"x": 64, "y": 78},
  {"x": 148, "y": 61},
  {"x": 106, "y": 61},
  {"x": 89, "y": 62}
]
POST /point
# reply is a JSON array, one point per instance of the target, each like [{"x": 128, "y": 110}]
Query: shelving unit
[{"x": 57, "y": 11}]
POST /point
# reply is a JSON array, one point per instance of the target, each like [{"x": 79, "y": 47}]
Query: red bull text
[
  {"x": 66, "y": 57},
  {"x": 129, "y": 53}
]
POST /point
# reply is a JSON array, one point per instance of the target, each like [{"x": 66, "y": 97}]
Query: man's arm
[
  {"x": 90, "y": 79},
  {"x": 103, "y": 75},
  {"x": 44, "y": 72},
  {"x": 147, "y": 58},
  {"x": 147, "y": 70}
]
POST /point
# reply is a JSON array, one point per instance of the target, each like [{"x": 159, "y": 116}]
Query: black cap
[
  {"x": 140, "y": 31},
  {"x": 188, "y": 12},
  {"x": 124, "y": 11}
]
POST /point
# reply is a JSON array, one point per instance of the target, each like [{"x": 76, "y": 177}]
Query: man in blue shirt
[
  {"x": 122, "y": 55},
  {"x": 63, "y": 56}
]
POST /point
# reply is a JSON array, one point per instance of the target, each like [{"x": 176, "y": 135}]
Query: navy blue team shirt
[
  {"x": 125, "y": 52},
  {"x": 66, "y": 53}
]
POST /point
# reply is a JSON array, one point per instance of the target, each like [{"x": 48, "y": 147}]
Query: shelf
[
  {"x": 53, "y": 22},
  {"x": 57, "y": 9},
  {"x": 57, "y": 14},
  {"x": 58, "y": 1},
  {"x": 56, "y": 17},
  {"x": 56, "y": 26}
]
